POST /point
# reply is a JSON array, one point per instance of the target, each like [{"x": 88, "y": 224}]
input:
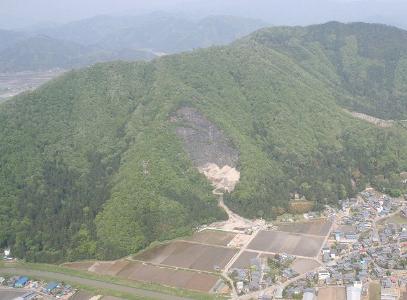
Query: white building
[
  {"x": 323, "y": 275},
  {"x": 7, "y": 252},
  {"x": 353, "y": 293},
  {"x": 308, "y": 296}
]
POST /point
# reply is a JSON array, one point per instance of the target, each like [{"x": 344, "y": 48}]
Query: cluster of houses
[
  {"x": 38, "y": 289},
  {"x": 382, "y": 204},
  {"x": 360, "y": 251},
  {"x": 251, "y": 278},
  {"x": 263, "y": 272}
]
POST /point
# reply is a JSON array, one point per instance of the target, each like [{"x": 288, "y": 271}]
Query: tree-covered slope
[
  {"x": 92, "y": 165},
  {"x": 368, "y": 61}
]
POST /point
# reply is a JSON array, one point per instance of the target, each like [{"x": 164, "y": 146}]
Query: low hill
[{"x": 100, "y": 163}]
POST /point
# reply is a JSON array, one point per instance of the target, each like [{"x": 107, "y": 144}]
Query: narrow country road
[{"x": 90, "y": 282}]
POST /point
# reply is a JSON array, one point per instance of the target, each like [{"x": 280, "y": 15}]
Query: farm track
[{"x": 91, "y": 283}]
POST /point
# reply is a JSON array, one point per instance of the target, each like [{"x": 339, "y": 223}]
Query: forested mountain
[
  {"x": 107, "y": 38},
  {"x": 368, "y": 61},
  {"x": 92, "y": 165}
]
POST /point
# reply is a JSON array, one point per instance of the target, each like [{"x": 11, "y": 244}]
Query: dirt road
[{"x": 144, "y": 294}]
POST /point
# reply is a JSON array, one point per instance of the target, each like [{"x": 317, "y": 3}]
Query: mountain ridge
[{"x": 93, "y": 166}]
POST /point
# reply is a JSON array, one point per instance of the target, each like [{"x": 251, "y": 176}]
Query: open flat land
[
  {"x": 213, "y": 237},
  {"x": 142, "y": 272},
  {"x": 396, "y": 219},
  {"x": 178, "y": 278},
  {"x": 332, "y": 293},
  {"x": 284, "y": 242},
  {"x": 301, "y": 265},
  {"x": 244, "y": 259},
  {"x": 188, "y": 255},
  {"x": 318, "y": 227},
  {"x": 12, "y": 84}
]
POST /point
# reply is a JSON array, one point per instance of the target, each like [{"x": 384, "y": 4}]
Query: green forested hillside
[
  {"x": 367, "y": 61},
  {"x": 91, "y": 165}
]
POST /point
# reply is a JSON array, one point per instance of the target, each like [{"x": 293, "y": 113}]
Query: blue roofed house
[
  {"x": 21, "y": 282},
  {"x": 50, "y": 287}
]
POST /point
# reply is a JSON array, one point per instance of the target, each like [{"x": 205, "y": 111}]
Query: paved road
[{"x": 91, "y": 283}]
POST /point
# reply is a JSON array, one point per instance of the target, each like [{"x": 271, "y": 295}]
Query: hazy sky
[{"x": 18, "y": 13}]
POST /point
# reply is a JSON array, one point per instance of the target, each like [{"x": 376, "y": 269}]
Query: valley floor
[{"x": 12, "y": 84}]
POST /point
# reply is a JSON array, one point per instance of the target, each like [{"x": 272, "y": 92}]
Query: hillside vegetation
[{"x": 92, "y": 165}]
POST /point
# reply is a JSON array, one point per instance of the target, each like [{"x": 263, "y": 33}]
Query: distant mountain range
[{"x": 106, "y": 38}]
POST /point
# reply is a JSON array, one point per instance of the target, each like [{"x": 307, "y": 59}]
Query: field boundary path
[{"x": 90, "y": 282}]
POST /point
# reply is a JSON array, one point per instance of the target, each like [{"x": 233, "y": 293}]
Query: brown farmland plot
[
  {"x": 332, "y": 293},
  {"x": 302, "y": 265},
  {"x": 283, "y": 242},
  {"x": 143, "y": 272},
  {"x": 177, "y": 278},
  {"x": 213, "y": 237},
  {"x": 318, "y": 227},
  {"x": 244, "y": 259},
  {"x": 188, "y": 255}
]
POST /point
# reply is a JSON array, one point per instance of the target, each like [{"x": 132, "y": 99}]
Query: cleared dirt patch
[
  {"x": 318, "y": 227},
  {"x": 188, "y": 255},
  {"x": 223, "y": 179},
  {"x": 302, "y": 265},
  {"x": 244, "y": 260},
  {"x": 332, "y": 293},
  {"x": 213, "y": 237},
  {"x": 283, "y": 242},
  {"x": 177, "y": 278}
]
